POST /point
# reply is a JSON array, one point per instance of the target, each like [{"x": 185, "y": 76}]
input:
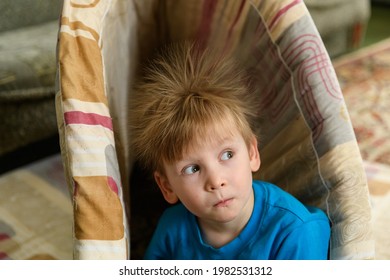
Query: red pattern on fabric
[{"x": 77, "y": 117}]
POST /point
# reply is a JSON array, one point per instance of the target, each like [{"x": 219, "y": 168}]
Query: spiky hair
[{"x": 182, "y": 92}]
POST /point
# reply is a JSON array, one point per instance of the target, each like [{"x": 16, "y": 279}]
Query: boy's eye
[
  {"x": 227, "y": 155},
  {"x": 191, "y": 169}
]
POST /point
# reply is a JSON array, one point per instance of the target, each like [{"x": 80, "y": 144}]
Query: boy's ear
[
  {"x": 165, "y": 188},
  {"x": 254, "y": 155}
]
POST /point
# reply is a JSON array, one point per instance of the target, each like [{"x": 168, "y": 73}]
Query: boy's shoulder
[
  {"x": 173, "y": 214},
  {"x": 278, "y": 200},
  {"x": 177, "y": 209}
]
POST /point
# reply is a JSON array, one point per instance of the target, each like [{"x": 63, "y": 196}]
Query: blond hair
[{"x": 183, "y": 92}]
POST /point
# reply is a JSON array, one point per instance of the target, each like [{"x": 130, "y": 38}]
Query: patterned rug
[{"x": 365, "y": 81}]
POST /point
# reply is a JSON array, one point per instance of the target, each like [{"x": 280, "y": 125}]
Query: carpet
[
  {"x": 364, "y": 78},
  {"x": 36, "y": 214},
  {"x": 365, "y": 81}
]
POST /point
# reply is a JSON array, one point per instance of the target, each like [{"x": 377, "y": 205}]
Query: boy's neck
[{"x": 219, "y": 234}]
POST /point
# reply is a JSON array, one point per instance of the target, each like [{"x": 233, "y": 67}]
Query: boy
[{"x": 193, "y": 126}]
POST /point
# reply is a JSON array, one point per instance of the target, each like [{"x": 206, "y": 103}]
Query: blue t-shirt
[{"x": 280, "y": 227}]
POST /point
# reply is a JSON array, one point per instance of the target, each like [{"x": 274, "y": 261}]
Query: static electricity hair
[{"x": 185, "y": 93}]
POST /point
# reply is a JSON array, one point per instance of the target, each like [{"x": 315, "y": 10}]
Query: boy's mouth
[{"x": 223, "y": 202}]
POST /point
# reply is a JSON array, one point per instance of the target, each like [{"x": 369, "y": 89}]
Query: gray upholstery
[
  {"x": 341, "y": 23},
  {"x": 28, "y": 37}
]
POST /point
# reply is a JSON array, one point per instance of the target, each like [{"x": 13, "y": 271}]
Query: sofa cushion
[
  {"x": 13, "y": 15},
  {"x": 27, "y": 57},
  {"x": 27, "y": 116},
  {"x": 328, "y": 3},
  {"x": 329, "y": 16},
  {"x": 27, "y": 78},
  {"x": 341, "y": 23}
]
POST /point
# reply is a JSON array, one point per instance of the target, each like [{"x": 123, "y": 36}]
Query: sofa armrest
[{"x": 18, "y": 14}]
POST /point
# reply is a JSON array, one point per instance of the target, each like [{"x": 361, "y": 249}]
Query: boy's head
[{"x": 185, "y": 93}]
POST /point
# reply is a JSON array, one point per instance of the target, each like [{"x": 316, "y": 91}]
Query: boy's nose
[{"x": 215, "y": 180}]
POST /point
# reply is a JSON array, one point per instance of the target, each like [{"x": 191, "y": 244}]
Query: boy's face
[{"x": 214, "y": 179}]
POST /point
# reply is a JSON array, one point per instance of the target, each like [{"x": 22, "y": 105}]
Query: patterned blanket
[
  {"x": 365, "y": 80},
  {"x": 307, "y": 142}
]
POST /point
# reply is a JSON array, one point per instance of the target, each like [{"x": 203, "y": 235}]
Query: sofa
[
  {"x": 341, "y": 23},
  {"x": 28, "y": 37}
]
